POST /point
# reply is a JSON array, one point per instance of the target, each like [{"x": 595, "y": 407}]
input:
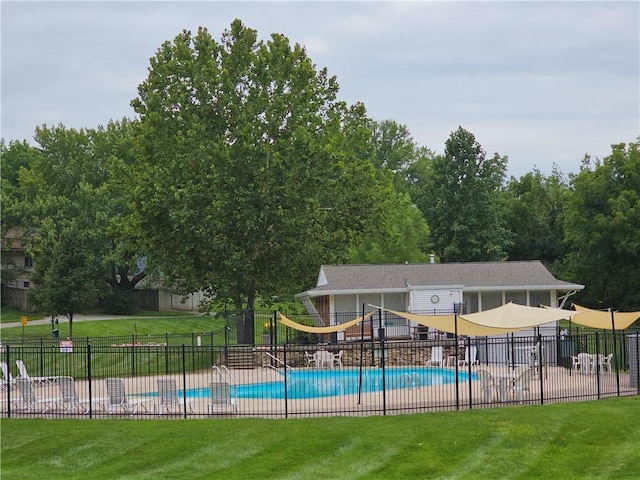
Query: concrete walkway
[{"x": 76, "y": 318}]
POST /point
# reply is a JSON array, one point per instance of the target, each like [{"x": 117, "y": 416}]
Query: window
[
  {"x": 28, "y": 261},
  {"x": 25, "y": 284}
]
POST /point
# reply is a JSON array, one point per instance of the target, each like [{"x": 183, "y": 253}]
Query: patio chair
[
  {"x": 523, "y": 383},
  {"x": 605, "y": 363},
  {"x": 436, "y": 357},
  {"x": 220, "y": 397},
  {"x": 117, "y": 398},
  {"x": 70, "y": 400},
  {"x": 470, "y": 356},
  {"x": 575, "y": 363},
  {"x": 323, "y": 359},
  {"x": 29, "y": 400},
  {"x": 488, "y": 386},
  {"x": 310, "y": 358},
  {"x": 7, "y": 381},
  {"x": 168, "y": 398},
  {"x": 337, "y": 358},
  {"x": 35, "y": 380}
]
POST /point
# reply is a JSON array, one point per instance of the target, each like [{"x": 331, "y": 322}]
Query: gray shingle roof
[{"x": 473, "y": 275}]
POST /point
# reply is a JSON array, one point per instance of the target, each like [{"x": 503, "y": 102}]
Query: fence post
[
  {"x": 41, "y": 357},
  {"x": 381, "y": 339},
  {"x": 286, "y": 376},
  {"x": 7, "y": 348},
  {"x": 89, "y": 380},
  {"x": 541, "y": 369},
  {"x": 133, "y": 359},
  {"x": 184, "y": 382},
  {"x": 596, "y": 363},
  {"x": 212, "y": 359}
]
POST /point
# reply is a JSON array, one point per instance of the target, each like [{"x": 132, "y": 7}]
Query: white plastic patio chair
[
  {"x": 310, "y": 358},
  {"x": 522, "y": 383},
  {"x": 605, "y": 363},
  {"x": 117, "y": 398},
  {"x": 488, "y": 387},
  {"x": 337, "y": 358}
]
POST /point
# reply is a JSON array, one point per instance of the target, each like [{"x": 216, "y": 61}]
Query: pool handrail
[
  {"x": 224, "y": 375},
  {"x": 289, "y": 367}
]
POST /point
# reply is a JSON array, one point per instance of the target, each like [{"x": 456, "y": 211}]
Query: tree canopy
[
  {"x": 602, "y": 222},
  {"x": 251, "y": 172},
  {"x": 461, "y": 202}
]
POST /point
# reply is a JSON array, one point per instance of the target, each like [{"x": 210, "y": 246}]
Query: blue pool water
[{"x": 344, "y": 381}]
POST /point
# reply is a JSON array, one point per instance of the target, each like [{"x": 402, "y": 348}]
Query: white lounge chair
[
  {"x": 7, "y": 381},
  {"x": 117, "y": 398},
  {"x": 470, "y": 356},
  {"x": 29, "y": 400},
  {"x": 436, "y": 357},
  {"x": 35, "y": 380},
  {"x": 168, "y": 398},
  {"x": 69, "y": 399},
  {"x": 220, "y": 397}
]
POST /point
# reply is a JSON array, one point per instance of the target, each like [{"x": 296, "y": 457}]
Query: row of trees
[{"x": 243, "y": 173}]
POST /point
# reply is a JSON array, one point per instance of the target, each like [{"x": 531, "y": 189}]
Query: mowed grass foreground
[{"x": 597, "y": 439}]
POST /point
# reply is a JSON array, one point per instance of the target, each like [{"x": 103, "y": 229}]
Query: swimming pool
[{"x": 344, "y": 381}]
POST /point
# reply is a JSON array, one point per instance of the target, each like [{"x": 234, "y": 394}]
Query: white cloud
[{"x": 541, "y": 82}]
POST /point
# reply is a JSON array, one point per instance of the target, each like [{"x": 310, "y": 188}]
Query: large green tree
[
  {"x": 395, "y": 150},
  {"x": 534, "y": 214},
  {"x": 406, "y": 240},
  {"x": 251, "y": 172},
  {"x": 69, "y": 274},
  {"x": 461, "y": 202},
  {"x": 602, "y": 226},
  {"x": 81, "y": 175}
]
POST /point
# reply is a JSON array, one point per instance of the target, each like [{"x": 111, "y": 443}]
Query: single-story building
[{"x": 341, "y": 291}]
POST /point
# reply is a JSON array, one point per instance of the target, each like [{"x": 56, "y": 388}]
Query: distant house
[
  {"x": 17, "y": 267},
  {"x": 436, "y": 288}
]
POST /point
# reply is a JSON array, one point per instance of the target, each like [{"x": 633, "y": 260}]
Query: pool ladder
[
  {"x": 279, "y": 369},
  {"x": 224, "y": 375}
]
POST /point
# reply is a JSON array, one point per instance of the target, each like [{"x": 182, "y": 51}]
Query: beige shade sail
[
  {"x": 330, "y": 329},
  {"x": 605, "y": 320},
  {"x": 497, "y": 321}
]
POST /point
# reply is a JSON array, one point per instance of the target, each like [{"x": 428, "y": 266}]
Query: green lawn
[
  {"x": 121, "y": 326},
  {"x": 596, "y": 440}
]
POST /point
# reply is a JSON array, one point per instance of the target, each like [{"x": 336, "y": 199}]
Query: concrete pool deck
[{"x": 557, "y": 384}]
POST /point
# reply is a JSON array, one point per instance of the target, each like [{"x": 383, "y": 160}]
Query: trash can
[
  {"x": 566, "y": 351},
  {"x": 54, "y": 333}
]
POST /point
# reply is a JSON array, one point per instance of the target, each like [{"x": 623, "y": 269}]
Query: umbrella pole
[
  {"x": 361, "y": 355},
  {"x": 455, "y": 326},
  {"x": 615, "y": 354}
]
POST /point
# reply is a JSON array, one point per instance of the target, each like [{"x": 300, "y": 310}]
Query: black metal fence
[{"x": 280, "y": 379}]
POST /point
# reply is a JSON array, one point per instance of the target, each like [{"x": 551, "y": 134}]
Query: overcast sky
[{"x": 539, "y": 82}]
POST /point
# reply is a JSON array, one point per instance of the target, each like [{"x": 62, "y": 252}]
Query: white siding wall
[{"x": 422, "y": 300}]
